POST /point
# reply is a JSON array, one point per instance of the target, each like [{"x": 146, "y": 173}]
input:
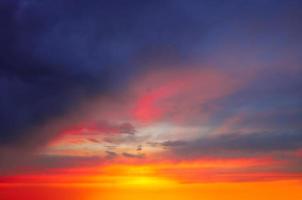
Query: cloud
[
  {"x": 180, "y": 94},
  {"x": 36, "y": 89},
  {"x": 125, "y": 139},
  {"x": 101, "y": 127},
  {"x": 130, "y": 155},
  {"x": 237, "y": 145},
  {"x": 175, "y": 143},
  {"x": 27, "y": 163},
  {"x": 93, "y": 140},
  {"x": 134, "y": 63},
  {"x": 111, "y": 154},
  {"x": 53, "y": 58},
  {"x": 139, "y": 148}
]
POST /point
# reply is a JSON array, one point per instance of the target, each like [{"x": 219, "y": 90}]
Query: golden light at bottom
[{"x": 279, "y": 190}]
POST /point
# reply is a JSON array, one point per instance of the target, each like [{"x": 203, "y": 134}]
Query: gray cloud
[
  {"x": 236, "y": 144},
  {"x": 126, "y": 127},
  {"x": 111, "y": 154},
  {"x": 130, "y": 155},
  {"x": 174, "y": 143}
]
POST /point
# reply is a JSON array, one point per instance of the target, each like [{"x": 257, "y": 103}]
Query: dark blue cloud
[{"x": 56, "y": 52}]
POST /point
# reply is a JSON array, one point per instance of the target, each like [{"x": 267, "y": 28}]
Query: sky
[{"x": 166, "y": 99}]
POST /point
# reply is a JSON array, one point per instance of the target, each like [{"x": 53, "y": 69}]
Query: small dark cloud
[
  {"x": 111, "y": 154},
  {"x": 111, "y": 146},
  {"x": 139, "y": 148},
  {"x": 175, "y": 143},
  {"x": 127, "y": 128},
  {"x": 154, "y": 144},
  {"x": 130, "y": 155},
  {"x": 94, "y": 140}
]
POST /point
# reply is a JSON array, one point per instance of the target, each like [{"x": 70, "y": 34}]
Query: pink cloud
[{"x": 179, "y": 94}]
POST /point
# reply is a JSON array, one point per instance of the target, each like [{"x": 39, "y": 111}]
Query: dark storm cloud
[
  {"x": 55, "y": 52},
  {"x": 34, "y": 90}
]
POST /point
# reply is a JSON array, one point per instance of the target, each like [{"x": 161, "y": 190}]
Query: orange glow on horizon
[
  {"x": 162, "y": 181},
  {"x": 278, "y": 190},
  {"x": 160, "y": 173}
]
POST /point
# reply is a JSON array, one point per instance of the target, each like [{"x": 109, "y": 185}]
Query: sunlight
[
  {"x": 137, "y": 176},
  {"x": 146, "y": 181}
]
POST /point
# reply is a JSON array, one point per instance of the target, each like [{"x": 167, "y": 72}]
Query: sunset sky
[{"x": 150, "y": 99}]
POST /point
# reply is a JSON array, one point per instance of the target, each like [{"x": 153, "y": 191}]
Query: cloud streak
[{"x": 237, "y": 145}]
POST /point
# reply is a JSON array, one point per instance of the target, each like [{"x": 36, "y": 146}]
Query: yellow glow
[
  {"x": 227, "y": 191},
  {"x": 146, "y": 181},
  {"x": 136, "y": 176}
]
